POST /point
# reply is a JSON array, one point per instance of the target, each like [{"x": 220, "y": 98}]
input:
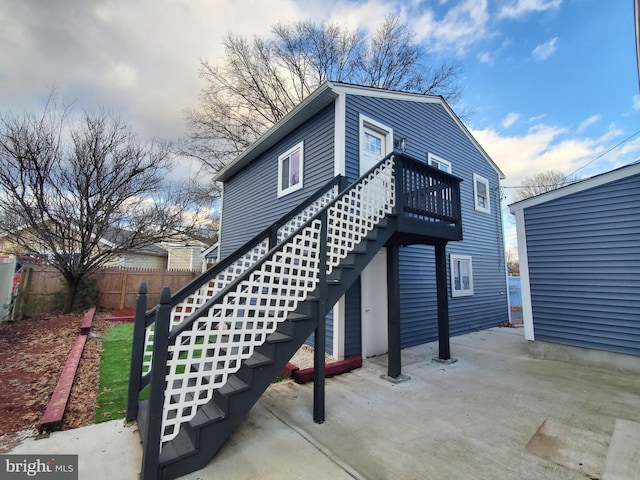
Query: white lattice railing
[
  {"x": 183, "y": 310},
  {"x": 212, "y": 346}
]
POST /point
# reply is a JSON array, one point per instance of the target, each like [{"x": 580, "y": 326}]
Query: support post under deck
[
  {"x": 394, "y": 367},
  {"x": 319, "y": 308},
  {"x": 443, "y": 301}
]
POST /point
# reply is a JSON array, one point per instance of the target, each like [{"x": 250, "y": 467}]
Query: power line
[
  {"x": 559, "y": 184},
  {"x": 603, "y": 154},
  {"x": 564, "y": 182}
]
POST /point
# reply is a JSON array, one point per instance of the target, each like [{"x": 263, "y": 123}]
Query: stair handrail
[
  {"x": 268, "y": 232},
  {"x": 212, "y": 329},
  {"x": 212, "y": 301},
  {"x": 141, "y": 358}
]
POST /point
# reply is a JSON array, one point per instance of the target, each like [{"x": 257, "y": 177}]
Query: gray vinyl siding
[
  {"x": 352, "y": 327},
  {"x": 328, "y": 320},
  {"x": 429, "y": 129},
  {"x": 251, "y": 202},
  {"x": 584, "y": 267}
]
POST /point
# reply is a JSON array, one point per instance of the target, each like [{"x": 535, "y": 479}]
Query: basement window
[
  {"x": 290, "y": 170},
  {"x": 461, "y": 276}
]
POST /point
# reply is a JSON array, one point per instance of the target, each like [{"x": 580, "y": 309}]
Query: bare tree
[
  {"x": 542, "y": 182},
  {"x": 81, "y": 193},
  {"x": 262, "y": 79}
]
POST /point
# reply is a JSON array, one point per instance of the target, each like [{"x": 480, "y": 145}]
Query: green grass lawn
[{"x": 114, "y": 373}]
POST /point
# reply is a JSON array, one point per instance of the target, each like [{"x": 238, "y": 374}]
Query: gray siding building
[
  {"x": 344, "y": 130},
  {"x": 579, "y": 250}
]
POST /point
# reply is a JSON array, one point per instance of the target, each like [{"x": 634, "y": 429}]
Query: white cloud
[
  {"x": 545, "y": 50},
  {"x": 537, "y": 118},
  {"x": 630, "y": 149},
  {"x": 462, "y": 25},
  {"x": 589, "y": 121},
  {"x": 486, "y": 57},
  {"x": 368, "y": 15},
  {"x": 520, "y": 8},
  {"x": 542, "y": 147},
  {"x": 140, "y": 59},
  {"x": 547, "y": 147},
  {"x": 510, "y": 119}
]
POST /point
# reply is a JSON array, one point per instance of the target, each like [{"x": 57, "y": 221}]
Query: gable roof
[
  {"x": 320, "y": 98},
  {"x": 316, "y": 101},
  {"x": 587, "y": 183},
  {"x": 113, "y": 235}
]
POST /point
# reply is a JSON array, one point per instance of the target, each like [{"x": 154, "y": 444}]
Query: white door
[
  {"x": 375, "y": 141},
  {"x": 373, "y": 147},
  {"x": 373, "y": 283}
]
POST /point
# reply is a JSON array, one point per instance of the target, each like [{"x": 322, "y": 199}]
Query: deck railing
[{"x": 429, "y": 194}]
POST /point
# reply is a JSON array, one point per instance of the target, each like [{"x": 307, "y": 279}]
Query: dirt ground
[{"x": 32, "y": 354}]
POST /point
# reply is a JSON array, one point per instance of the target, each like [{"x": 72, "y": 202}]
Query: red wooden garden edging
[{"x": 52, "y": 418}]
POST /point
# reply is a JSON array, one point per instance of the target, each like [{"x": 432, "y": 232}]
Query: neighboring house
[
  {"x": 150, "y": 257},
  {"x": 344, "y": 130},
  {"x": 579, "y": 251},
  {"x": 177, "y": 253},
  {"x": 210, "y": 256},
  {"x": 185, "y": 257}
]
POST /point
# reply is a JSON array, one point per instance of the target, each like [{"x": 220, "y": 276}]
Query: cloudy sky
[{"x": 553, "y": 83}]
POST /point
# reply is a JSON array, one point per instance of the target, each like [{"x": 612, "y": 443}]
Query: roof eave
[{"x": 318, "y": 99}]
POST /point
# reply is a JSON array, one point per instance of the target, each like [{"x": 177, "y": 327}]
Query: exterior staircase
[{"x": 209, "y": 352}]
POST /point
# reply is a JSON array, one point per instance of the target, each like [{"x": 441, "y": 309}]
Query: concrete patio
[{"x": 494, "y": 414}]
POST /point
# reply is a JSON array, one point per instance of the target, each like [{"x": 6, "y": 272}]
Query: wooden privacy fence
[{"x": 118, "y": 286}]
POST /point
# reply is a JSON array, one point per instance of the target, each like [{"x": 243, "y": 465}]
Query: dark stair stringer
[{"x": 200, "y": 439}]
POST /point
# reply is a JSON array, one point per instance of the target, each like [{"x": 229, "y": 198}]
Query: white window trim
[
  {"x": 339, "y": 144},
  {"x": 462, "y": 292},
  {"x": 478, "y": 178},
  {"x": 382, "y": 129},
  {"x": 282, "y": 192},
  {"x": 431, "y": 157}
]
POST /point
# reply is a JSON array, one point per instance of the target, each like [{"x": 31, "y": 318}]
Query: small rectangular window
[
  {"x": 461, "y": 276},
  {"x": 372, "y": 143},
  {"x": 482, "y": 199},
  {"x": 439, "y": 163},
  {"x": 290, "y": 170}
]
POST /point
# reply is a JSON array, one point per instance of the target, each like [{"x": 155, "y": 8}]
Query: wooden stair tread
[
  {"x": 207, "y": 414},
  {"x": 257, "y": 360},
  {"x": 234, "y": 385}
]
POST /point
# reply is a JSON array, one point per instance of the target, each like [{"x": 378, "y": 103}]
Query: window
[
  {"x": 372, "y": 143},
  {"x": 482, "y": 201},
  {"x": 290, "y": 170},
  {"x": 439, "y": 163},
  {"x": 461, "y": 276}
]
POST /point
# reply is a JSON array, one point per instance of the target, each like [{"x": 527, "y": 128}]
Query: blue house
[
  {"x": 345, "y": 130},
  {"x": 579, "y": 253},
  {"x": 367, "y": 218}
]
